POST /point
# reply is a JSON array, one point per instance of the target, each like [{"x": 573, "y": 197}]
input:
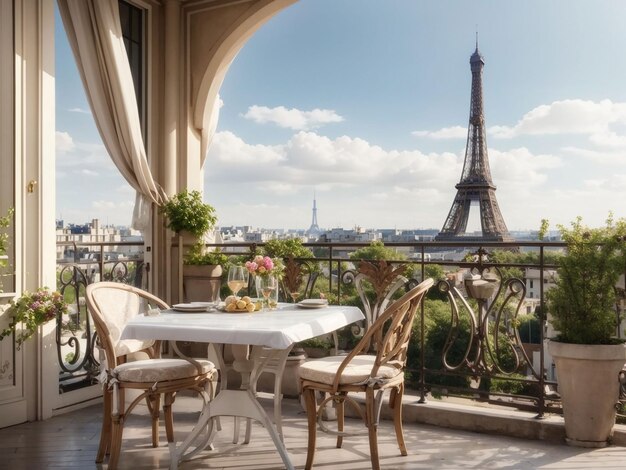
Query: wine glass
[
  {"x": 236, "y": 278},
  {"x": 294, "y": 295},
  {"x": 268, "y": 285}
]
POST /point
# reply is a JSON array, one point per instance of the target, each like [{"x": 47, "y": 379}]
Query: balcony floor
[{"x": 71, "y": 440}]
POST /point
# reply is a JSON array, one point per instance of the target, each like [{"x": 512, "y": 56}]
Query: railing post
[
  {"x": 101, "y": 262},
  {"x": 542, "y": 381},
  {"x": 422, "y": 383}
]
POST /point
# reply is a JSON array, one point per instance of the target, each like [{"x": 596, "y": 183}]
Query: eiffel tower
[
  {"x": 314, "y": 229},
  {"x": 476, "y": 183}
]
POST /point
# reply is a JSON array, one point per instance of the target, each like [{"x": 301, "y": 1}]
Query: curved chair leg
[
  {"x": 372, "y": 427},
  {"x": 395, "y": 403},
  {"x": 105, "y": 433},
  {"x": 311, "y": 412},
  {"x": 155, "y": 401},
  {"x": 169, "y": 420},
  {"x": 341, "y": 406}
]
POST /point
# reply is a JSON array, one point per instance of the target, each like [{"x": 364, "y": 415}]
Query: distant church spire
[{"x": 314, "y": 229}]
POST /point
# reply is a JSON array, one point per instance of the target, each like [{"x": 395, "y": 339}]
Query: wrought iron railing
[
  {"x": 75, "y": 336},
  {"x": 467, "y": 340}
]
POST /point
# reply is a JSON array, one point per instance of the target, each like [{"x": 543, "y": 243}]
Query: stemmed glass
[
  {"x": 267, "y": 285},
  {"x": 294, "y": 295},
  {"x": 237, "y": 277}
]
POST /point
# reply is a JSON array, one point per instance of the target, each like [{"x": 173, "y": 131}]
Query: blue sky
[{"x": 366, "y": 102}]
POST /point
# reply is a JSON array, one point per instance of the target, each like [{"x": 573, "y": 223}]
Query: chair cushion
[
  {"x": 323, "y": 370},
  {"x": 159, "y": 370}
]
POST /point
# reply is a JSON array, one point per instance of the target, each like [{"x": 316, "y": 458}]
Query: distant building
[
  {"x": 256, "y": 237},
  {"x": 341, "y": 235},
  {"x": 75, "y": 235},
  {"x": 533, "y": 287}
]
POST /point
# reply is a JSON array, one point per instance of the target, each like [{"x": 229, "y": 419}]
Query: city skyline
[{"x": 367, "y": 108}]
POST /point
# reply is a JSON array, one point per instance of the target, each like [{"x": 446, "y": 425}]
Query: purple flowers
[{"x": 31, "y": 310}]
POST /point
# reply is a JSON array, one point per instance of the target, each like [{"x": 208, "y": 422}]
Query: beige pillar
[{"x": 171, "y": 94}]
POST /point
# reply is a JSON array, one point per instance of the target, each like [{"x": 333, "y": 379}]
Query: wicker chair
[
  {"x": 373, "y": 374},
  {"x": 112, "y": 305}
]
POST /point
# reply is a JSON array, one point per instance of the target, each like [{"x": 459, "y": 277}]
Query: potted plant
[
  {"x": 186, "y": 213},
  {"x": 202, "y": 273},
  {"x": 32, "y": 310},
  {"x": 582, "y": 309}
]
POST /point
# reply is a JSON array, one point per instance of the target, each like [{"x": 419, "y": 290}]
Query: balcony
[{"x": 476, "y": 384}]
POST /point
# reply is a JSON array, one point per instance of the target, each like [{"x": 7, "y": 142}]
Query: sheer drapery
[{"x": 95, "y": 35}]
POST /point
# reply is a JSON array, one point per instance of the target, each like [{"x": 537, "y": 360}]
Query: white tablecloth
[{"x": 277, "y": 329}]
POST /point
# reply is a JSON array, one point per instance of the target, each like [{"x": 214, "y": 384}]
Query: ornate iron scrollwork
[
  {"x": 76, "y": 343},
  {"x": 76, "y": 337},
  {"x": 493, "y": 345}
]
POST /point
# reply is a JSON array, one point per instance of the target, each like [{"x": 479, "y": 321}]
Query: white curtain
[{"x": 95, "y": 34}]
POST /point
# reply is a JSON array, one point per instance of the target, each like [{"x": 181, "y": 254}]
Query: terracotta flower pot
[
  {"x": 589, "y": 388},
  {"x": 201, "y": 283}
]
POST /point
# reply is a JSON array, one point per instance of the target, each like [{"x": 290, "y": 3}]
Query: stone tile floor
[{"x": 70, "y": 441}]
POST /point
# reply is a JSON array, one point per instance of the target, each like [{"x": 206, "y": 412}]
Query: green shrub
[
  {"x": 198, "y": 255},
  {"x": 582, "y": 304},
  {"x": 186, "y": 211}
]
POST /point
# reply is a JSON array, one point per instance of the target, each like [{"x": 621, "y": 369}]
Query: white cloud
[
  {"x": 520, "y": 168},
  {"x": 573, "y": 116},
  {"x": 292, "y": 118},
  {"x": 351, "y": 175},
  {"x": 454, "y": 132},
  {"x": 63, "y": 142},
  {"x": 79, "y": 110},
  {"x": 308, "y": 158},
  {"x": 232, "y": 150},
  {"x": 359, "y": 183}
]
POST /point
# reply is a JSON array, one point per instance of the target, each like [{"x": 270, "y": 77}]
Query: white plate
[
  {"x": 193, "y": 307},
  {"x": 313, "y": 303}
]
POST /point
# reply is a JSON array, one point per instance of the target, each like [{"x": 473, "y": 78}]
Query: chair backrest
[
  {"x": 385, "y": 279},
  {"x": 112, "y": 305},
  {"x": 391, "y": 332}
]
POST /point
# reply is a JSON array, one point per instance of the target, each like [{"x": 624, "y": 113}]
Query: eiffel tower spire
[
  {"x": 476, "y": 183},
  {"x": 314, "y": 229}
]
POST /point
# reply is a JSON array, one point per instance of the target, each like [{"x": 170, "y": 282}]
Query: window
[
  {"x": 132, "y": 21},
  {"x": 531, "y": 283}
]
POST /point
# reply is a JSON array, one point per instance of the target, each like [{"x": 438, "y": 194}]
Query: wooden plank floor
[{"x": 70, "y": 442}]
